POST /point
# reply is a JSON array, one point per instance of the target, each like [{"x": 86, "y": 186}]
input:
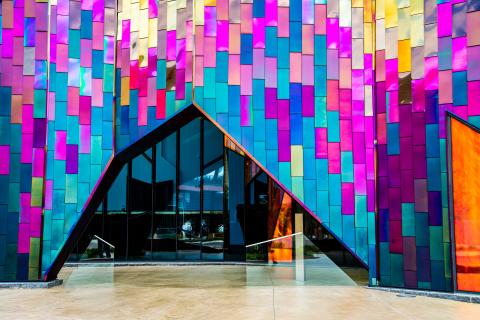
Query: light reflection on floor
[{"x": 215, "y": 292}]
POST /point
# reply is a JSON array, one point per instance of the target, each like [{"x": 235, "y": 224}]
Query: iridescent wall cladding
[
  {"x": 305, "y": 86},
  {"x": 79, "y": 111},
  {"x": 427, "y": 57},
  {"x": 154, "y": 64},
  {"x": 23, "y": 84}
]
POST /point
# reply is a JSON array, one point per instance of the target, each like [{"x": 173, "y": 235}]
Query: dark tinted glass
[
  {"x": 212, "y": 227},
  {"x": 189, "y": 217},
  {"x": 116, "y": 230},
  {"x": 164, "y": 219},
  {"x": 235, "y": 215},
  {"x": 140, "y": 216}
]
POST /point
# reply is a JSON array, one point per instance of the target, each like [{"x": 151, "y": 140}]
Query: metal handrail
[
  {"x": 274, "y": 239},
  {"x": 109, "y": 244}
]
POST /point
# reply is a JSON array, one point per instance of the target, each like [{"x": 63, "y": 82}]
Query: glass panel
[
  {"x": 212, "y": 228},
  {"x": 276, "y": 272},
  {"x": 189, "y": 221},
  {"x": 307, "y": 266},
  {"x": 279, "y": 224},
  {"x": 235, "y": 217},
  {"x": 164, "y": 222},
  {"x": 98, "y": 250},
  {"x": 95, "y": 227},
  {"x": 213, "y": 146},
  {"x": 140, "y": 216},
  {"x": 95, "y": 266},
  {"x": 256, "y": 214},
  {"x": 272, "y": 211},
  {"x": 325, "y": 254},
  {"x": 116, "y": 219}
]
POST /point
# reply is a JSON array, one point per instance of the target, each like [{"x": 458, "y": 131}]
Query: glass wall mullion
[
  {"x": 226, "y": 217},
  {"x": 202, "y": 144},
  {"x": 128, "y": 205},
  {"x": 154, "y": 182},
  {"x": 177, "y": 189}
]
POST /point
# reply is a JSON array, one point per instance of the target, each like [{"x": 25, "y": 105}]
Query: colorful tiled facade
[
  {"x": 427, "y": 63},
  {"x": 305, "y": 86}
]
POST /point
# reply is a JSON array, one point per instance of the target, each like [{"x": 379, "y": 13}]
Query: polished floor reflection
[{"x": 213, "y": 292}]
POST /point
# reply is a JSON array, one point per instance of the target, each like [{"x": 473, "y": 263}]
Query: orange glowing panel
[
  {"x": 282, "y": 250},
  {"x": 465, "y": 145}
]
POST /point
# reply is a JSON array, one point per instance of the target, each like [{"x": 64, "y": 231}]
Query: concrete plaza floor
[{"x": 215, "y": 292}]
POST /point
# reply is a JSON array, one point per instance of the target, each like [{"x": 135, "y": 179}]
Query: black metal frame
[
  {"x": 113, "y": 168},
  {"x": 202, "y": 170}
]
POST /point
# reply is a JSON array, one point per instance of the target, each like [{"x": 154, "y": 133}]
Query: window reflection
[
  {"x": 140, "y": 215},
  {"x": 212, "y": 230},
  {"x": 164, "y": 231},
  {"x": 195, "y": 195},
  {"x": 189, "y": 218},
  {"x": 280, "y": 224},
  {"x": 116, "y": 229}
]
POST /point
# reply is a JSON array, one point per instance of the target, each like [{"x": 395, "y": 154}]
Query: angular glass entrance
[{"x": 193, "y": 194}]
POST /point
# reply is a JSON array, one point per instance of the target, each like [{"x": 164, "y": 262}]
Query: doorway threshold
[{"x": 162, "y": 263}]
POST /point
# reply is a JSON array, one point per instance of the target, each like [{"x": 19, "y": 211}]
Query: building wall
[
  {"x": 154, "y": 64},
  {"x": 79, "y": 112},
  {"x": 427, "y": 62},
  {"x": 305, "y": 86},
  {"x": 23, "y": 96},
  {"x": 464, "y": 149}
]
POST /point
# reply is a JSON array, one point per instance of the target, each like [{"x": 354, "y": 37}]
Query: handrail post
[{"x": 299, "y": 256}]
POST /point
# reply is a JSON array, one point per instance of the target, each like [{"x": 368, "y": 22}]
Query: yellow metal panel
[
  {"x": 126, "y": 9},
  {"x": 403, "y": 24},
  {"x": 357, "y": 3},
  {"x": 416, "y": 22},
  {"x": 403, "y": 3},
  {"x": 391, "y": 15},
  {"x": 134, "y": 46},
  {"x": 380, "y": 9},
  {"x": 143, "y": 52},
  {"x": 134, "y": 17},
  {"x": 199, "y": 17},
  {"x": 368, "y": 101},
  {"x": 404, "y": 56},
  {"x": 181, "y": 4},
  {"x": 143, "y": 24},
  {"x": 368, "y": 11},
  {"x": 297, "y": 161},
  {"x": 416, "y": 6},
  {"x": 125, "y": 98},
  {"x": 368, "y": 38},
  {"x": 152, "y": 33},
  {"x": 171, "y": 15}
]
